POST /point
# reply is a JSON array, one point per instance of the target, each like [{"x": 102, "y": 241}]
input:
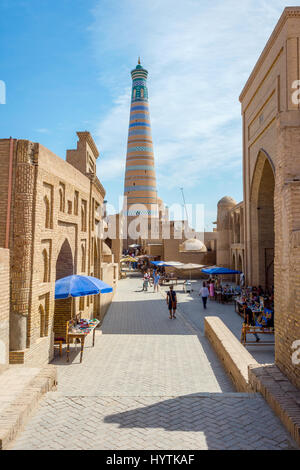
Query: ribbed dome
[
  {"x": 226, "y": 201},
  {"x": 193, "y": 244}
]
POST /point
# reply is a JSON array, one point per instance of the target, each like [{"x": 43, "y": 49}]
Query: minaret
[{"x": 140, "y": 180}]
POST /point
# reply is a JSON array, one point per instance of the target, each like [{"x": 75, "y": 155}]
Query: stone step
[{"x": 21, "y": 388}]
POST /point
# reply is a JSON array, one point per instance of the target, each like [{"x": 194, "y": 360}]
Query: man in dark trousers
[{"x": 172, "y": 302}]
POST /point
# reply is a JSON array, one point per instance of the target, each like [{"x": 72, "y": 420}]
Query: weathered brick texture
[
  {"x": 4, "y": 308},
  {"x": 266, "y": 238},
  {"x": 271, "y": 128},
  {"x": 55, "y": 212}
]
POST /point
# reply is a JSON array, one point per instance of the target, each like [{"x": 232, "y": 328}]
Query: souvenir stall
[
  {"x": 77, "y": 329},
  {"x": 223, "y": 293},
  {"x": 256, "y": 307}
]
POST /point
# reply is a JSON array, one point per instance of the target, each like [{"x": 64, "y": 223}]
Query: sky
[{"x": 66, "y": 66}]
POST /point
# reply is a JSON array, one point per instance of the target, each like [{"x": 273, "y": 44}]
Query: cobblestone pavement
[{"x": 149, "y": 383}]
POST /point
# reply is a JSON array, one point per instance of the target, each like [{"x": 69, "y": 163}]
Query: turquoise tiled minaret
[{"x": 140, "y": 179}]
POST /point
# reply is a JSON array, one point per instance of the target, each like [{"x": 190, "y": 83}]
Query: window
[
  {"x": 45, "y": 266},
  {"x": 61, "y": 197},
  {"x": 83, "y": 259},
  {"x": 47, "y": 212},
  {"x": 83, "y": 215},
  {"x": 92, "y": 250},
  {"x": 76, "y": 200},
  {"x": 61, "y": 200},
  {"x": 43, "y": 326}
]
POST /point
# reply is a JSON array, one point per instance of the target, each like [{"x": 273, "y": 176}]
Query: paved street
[
  {"x": 192, "y": 309},
  {"x": 149, "y": 383}
]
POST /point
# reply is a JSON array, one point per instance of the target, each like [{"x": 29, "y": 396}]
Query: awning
[
  {"x": 171, "y": 264},
  {"x": 158, "y": 263},
  {"x": 215, "y": 270},
  {"x": 128, "y": 259},
  {"x": 190, "y": 266}
]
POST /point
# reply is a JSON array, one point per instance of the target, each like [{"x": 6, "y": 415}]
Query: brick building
[
  {"x": 4, "y": 308},
  {"x": 51, "y": 210},
  {"x": 262, "y": 234}
]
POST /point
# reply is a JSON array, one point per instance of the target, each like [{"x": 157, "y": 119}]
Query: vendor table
[
  {"x": 223, "y": 297},
  {"x": 248, "y": 330},
  {"x": 227, "y": 296},
  {"x": 168, "y": 281},
  {"x": 79, "y": 332},
  {"x": 240, "y": 308}
]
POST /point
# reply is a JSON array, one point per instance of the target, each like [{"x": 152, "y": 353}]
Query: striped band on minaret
[{"x": 140, "y": 179}]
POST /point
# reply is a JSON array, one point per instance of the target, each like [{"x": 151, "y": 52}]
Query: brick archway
[
  {"x": 64, "y": 261},
  {"x": 63, "y": 310},
  {"x": 262, "y": 221}
]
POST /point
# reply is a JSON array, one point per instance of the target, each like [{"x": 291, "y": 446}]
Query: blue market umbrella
[
  {"x": 215, "y": 270},
  {"x": 78, "y": 286},
  {"x": 170, "y": 264}
]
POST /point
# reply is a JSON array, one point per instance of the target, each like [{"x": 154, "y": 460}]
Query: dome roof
[
  {"x": 227, "y": 200},
  {"x": 193, "y": 244}
]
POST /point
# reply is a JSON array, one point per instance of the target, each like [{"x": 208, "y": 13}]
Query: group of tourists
[
  {"x": 151, "y": 279},
  {"x": 255, "y": 303}
]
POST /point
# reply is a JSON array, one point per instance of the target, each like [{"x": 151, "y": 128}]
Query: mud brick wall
[
  {"x": 53, "y": 233},
  {"x": 4, "y": 308},
  {"x": 287, "y": 248}
]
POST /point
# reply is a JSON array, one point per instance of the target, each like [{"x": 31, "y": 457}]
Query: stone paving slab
[
  {"x": 142, "y": 352},
  {"x": 149, "y": 383},
  {"x": 139, "y": 365},
  {"x": 217, "y": 421}
]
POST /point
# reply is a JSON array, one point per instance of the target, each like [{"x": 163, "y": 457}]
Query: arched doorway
[
  {"x": 64, "y": 262},
  {"x": 63, "y": 310},
  {"x": 108, "y": 242},
  {"x": 262, "y": 218}
]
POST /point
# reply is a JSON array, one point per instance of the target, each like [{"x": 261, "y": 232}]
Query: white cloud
[
  {"x": 199, "y": 55},
  {"x": 43, "y": 131}
]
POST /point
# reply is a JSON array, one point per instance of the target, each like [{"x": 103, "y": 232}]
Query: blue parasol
[{"x": 78, "y": 286}]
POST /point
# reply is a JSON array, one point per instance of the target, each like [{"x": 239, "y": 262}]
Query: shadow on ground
[{"x": 226, "y": 421}]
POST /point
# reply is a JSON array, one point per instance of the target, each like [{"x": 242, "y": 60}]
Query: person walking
[
  {"x": 172, "y": 302},
  {"x": 146, "y": 281},
  {"x": 204, "y": 293},
  {"x": 156, "y": 278}
]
